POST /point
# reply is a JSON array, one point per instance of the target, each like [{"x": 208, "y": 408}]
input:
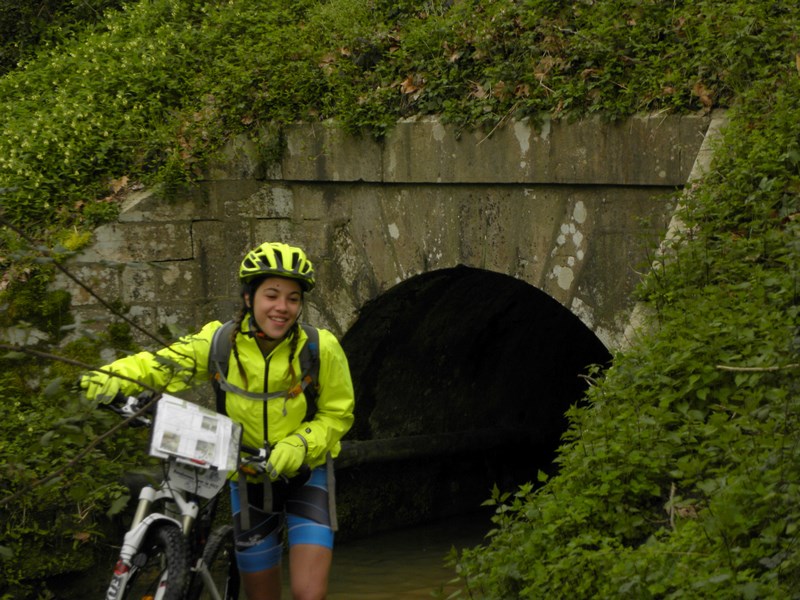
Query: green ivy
[
  {"x": 27, "y": 26},
  {"x": 153, "y": 91},
  {"x": 680, "y": 477}
]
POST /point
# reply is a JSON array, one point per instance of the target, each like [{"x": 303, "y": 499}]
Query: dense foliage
[
  {"x": 679, "y": 479},
  {"x": 28, "y": 25},
  {"x": 153, "y": 89}
]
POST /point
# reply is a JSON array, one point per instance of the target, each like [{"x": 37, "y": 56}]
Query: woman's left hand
[{"x": 286, "y": 457}]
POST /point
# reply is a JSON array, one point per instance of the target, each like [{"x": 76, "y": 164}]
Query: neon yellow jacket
[{"x": 184, "y": 365}]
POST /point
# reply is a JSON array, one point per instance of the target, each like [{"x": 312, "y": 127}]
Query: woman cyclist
[{"x": 264, "y": 363}]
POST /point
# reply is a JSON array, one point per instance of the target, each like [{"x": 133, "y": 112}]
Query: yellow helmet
[{"x": 281, "y": 260}]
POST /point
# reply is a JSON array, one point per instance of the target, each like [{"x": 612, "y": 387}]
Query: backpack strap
[
  {"x": 219, "y": 356},
  {"x": 218, "y": 361},
  {"x": 309, "y": 366}
]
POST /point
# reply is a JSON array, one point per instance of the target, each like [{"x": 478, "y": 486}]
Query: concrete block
[
  {"x": 149, "y": 205},
  {"x": 240, "y": 160},
  {"x": 219, "y": 249},
  {"x": 221, "y": 194},
  {"x": 271, "y": 201},
  {"x": 323, "y": 152},
  {"x": 152, "y": 282},
  {"x": 103, "y": 280},
  {"x": 637, "y": 151},
  {"x": 131, "y": 242}
]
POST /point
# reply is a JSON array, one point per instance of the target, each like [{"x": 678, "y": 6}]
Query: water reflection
[{"x": 402, "y": 564}]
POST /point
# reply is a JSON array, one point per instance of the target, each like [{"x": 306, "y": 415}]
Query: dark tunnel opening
[{"x": 462, "y": 378}]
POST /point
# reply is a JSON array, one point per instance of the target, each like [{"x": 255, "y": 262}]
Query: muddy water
[
  {"x": 397, "y": 565},
  {"x": 403, "y": 564}
]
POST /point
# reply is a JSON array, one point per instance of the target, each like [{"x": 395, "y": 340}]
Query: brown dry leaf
[
  {"x": 558, "y": 109},
  {"x": 797, "y": 61},
  {"x": 82, "y": 536},
  {"x": 543, "y": 67},
  {"x": 586, "y": 73},
  {"x": 705, "y": 95},
  {"x": 790, "y": 217},
  {"x": 327, "y": 59},
  {"x": 499, "y": 89},
  {"x": 408, "y": 86},
  {"x": 453, "y": 54},
  {"x": 477, "y": 90},
  {"x": 522, "y": 91},
  {"x": 117, "y": 184}
]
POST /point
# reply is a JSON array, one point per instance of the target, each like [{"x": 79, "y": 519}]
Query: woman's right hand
[{"x": 100, "y": 386}]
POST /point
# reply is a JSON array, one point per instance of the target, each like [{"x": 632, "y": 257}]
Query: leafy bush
[
  {"x": 679, "y": 479},
  {"x": 27, "y": 26},
  {"x": 53, "y": 509},
  {"x": 152, "y": 91},
  {"x": 58, "y": 526}
]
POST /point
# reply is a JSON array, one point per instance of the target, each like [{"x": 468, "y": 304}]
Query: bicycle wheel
[
  {"x": 219, "y": 557},
  {"x": 160, "y": 570}
]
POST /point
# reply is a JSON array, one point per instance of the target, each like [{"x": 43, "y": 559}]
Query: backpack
[{"x": 309, "y": 369}]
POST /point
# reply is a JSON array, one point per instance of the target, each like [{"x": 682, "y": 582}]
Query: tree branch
[{"x": 759, "y": 369}]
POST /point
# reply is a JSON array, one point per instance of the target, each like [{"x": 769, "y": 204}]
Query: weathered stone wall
[{"x": 572, "y": 209}]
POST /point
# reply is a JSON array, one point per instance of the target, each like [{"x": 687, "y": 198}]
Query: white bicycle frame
[{"x": 181, "y": 512}]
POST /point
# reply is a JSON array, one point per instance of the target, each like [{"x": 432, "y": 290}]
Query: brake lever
[
  {"x": 256, "y": 462},
  {"x": 127, "y": 407}
]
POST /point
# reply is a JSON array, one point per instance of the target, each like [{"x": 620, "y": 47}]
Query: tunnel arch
[{"x": 463, "y": 354}]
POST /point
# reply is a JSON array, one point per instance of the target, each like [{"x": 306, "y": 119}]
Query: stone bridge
[{"x": 472, "y": 277}]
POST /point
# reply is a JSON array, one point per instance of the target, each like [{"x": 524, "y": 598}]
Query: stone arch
[
  {"x": 505, "y": 351},
  {"x": 462, "y": 375}
]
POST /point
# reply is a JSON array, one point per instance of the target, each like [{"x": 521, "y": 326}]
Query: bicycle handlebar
[{"x": 129, "y": 406}]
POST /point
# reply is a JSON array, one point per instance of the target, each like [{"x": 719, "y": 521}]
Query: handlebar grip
[
  {"x": 119, "y": 399},
  {"x": 251, "y": 450}
]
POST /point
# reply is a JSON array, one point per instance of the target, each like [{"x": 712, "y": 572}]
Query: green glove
[
  {"x": 287, "y": 457},
  {"x": 100, "y": 387}
]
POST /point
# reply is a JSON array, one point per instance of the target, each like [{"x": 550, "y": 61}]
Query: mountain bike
[{"x": 173, "y": 550}]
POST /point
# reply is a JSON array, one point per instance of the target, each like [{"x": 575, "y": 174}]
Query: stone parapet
[{"x": 651, "y": 150}]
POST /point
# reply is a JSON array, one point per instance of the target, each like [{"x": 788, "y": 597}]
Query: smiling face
[{"x": 276, "y": 304}]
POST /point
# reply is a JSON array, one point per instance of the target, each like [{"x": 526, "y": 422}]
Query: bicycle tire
[
  {"x": 162, "y": 562},
  {"x": 220, "y": 558}
]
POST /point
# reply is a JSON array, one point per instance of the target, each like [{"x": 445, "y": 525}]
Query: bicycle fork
[{"x": 135, "y": 536}]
